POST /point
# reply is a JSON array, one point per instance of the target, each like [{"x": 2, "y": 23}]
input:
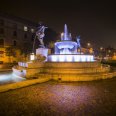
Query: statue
[
  {"x": 78, "y": 41},
  {"x": 40, "y": 34}
]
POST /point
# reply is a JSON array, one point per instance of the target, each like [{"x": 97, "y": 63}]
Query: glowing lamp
[{"x": 32, "y": 56}]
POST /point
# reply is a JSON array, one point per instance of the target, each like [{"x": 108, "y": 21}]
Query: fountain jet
[{"x": 66, "y": 34}]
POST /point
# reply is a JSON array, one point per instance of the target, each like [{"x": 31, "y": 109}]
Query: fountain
[
  {"x": 66, "y": 64},
  {"x": 66, "y": 50},
  {"x": 66, "y": 46}
]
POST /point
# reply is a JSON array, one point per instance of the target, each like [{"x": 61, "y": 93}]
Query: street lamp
[
  {"x": 101, "y": 48},
  {"x": 32, "y": 56},
  {"x": 62, "y": 36},
  {"x": 88, "y": 44},
  {"x": 109, "y": 51},
  {"x": 101, "y": 53}
]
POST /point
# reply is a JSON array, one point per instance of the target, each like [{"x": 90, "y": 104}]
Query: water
[
  {"x": 70, "y": 58},
  {"x": 8, "y": 77},
  {"x": 66, "y": 50}
]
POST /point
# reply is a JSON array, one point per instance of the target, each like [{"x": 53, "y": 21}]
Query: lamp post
[
  {"x": 101, "y": 53},
  {"x": 88, "y": 45},
  {"x": 101, "y": 48},
  {"x": 32, "y": 56},
  {"x": 62, "y": 36}
]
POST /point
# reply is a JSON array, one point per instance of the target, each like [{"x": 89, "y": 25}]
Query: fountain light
[
  {"x": 66, "y": 50},
  {"x": 62, "y": 35}
]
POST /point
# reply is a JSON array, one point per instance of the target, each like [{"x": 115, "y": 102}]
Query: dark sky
[{"x": 94, "y": 21}]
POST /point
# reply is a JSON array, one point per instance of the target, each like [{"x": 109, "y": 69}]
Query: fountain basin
[
  {"x": 66, "y": 47},
  {"x": 66, "y": 71},
  {"x": 70, "y": 58},
  {"x": 66, "y": 44},
  {"x": 66, "y": 64}
]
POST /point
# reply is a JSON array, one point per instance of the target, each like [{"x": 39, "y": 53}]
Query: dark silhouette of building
[{"x": 15, "y": 32}]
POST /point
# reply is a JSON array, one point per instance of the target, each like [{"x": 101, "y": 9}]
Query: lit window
[
  {"x": 32, "y": 30},
  {"x": 25, "y": 28},
  {"x": 1, "y": 54}
]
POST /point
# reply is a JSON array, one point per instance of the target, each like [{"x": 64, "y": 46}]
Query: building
[{"x": 16, "y": 35}]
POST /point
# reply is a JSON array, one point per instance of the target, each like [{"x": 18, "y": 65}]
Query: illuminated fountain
[
  {"x": 66, "y": 50},
  {"x": 66, "y": 64},
  {"x": 66, "y": 46}
]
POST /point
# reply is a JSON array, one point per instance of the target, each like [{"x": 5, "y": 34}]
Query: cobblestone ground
[{"x": 97, "y": 98}]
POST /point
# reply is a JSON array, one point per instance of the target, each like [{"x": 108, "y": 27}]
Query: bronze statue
[{"x": 40, "y": 34}]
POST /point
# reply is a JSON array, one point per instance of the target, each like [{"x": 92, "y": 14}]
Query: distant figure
[
  {"x": 78, "y": 41},
  {"x": 40, "y": 34}
]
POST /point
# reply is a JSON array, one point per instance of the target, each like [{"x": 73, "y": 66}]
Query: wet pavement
[{"x": 95, "y": 98}]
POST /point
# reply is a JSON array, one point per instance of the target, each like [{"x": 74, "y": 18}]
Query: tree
[{"x": 10, "y": 52}]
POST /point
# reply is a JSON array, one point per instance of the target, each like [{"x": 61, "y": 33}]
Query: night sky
[{"x": 94, "y": 21}]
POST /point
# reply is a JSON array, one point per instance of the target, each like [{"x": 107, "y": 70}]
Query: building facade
[{"x": 16, "y": 35}]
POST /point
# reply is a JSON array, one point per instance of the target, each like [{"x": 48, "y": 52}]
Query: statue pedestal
[{"x": 42, "y": 51}]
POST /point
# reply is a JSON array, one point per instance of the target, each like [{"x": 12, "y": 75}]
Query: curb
[{"x": 8, "y": 87}]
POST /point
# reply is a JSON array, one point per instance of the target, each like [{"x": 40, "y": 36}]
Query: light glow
[
  {"x": 32, "y": 56},
  {"x": 9, "y": 77},
  {"x": 70, "y": 58}
]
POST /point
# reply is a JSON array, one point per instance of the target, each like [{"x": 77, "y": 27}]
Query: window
[
  {"x": 1, "y": 42},
  {"x": 1, "y": 31},
  {"x": 25, "y": 28},
  {"x": 1, "y": 22},
  {"x": 14, "y": 43},
  {"x": 14, "y": 26},
  {"x": 32, "y": 30},
  {"x": 25, "y": 35},
  {"x": 15, "y": 33},
  {"x": 1, "y": 54}
]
